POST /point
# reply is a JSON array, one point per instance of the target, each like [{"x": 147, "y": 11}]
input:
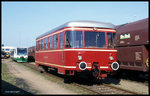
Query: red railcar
[
  {"x": 132, "y": 45},
  {"x": 78, "y": 46}
]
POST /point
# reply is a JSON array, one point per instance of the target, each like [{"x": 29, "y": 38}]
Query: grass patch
[
  {"x": 6, "y": 75},
  {"x": 12, "y": 85}
]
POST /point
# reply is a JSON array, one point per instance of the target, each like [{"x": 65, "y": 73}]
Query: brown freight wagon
[
  {"x": 133, "y": 58},
  {"x": 132, "y": 41},
  {"x": 31, "y": 53}
]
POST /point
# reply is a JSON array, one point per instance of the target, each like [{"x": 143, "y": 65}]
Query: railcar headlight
[
  {"x": 115, "y": 66},
  {"x": 79, "y": 57},
  {"x": 82, "y": 65},
  {"x": 111, "y": 58}
]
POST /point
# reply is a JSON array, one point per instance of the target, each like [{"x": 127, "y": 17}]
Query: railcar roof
[{"x": 82, "y": 23}]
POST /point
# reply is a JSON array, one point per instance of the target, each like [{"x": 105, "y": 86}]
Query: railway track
[{"x": 95, "y": 88}]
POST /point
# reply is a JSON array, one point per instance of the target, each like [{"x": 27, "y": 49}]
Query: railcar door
[{"x": 61, "y": 63}]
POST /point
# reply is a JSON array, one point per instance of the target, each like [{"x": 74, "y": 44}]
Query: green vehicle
[{"x": 20, "y": 54}]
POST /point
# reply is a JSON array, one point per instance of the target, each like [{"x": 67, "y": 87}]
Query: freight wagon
[{"x": 132, "y": 41}]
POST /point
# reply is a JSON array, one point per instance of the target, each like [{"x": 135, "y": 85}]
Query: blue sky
[{"x": 22, "y": 22}]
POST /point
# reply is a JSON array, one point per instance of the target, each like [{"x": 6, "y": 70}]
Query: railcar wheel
[
  {"x": 95, "y": 77},
  {"x": 68, "y": 79},
  {"x": 43, "y": 69},
  {"x": 96, "y": 73}
]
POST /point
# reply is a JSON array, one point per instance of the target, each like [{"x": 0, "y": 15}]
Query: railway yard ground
[{"x": 17, "y": 78}]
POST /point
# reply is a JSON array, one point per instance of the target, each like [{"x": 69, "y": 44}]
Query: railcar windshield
[
  {"x": 94, "y": 39},
  {"x": 73, "y": 39},
  {"x": 110, "y": 38},
  {"x": 21, "y": 51}
]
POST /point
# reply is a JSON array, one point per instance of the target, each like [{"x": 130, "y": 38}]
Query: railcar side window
[
  {"x": 39, "y": 45},
  {"x": 46, "y": 43},
  {"x": 56, "y": 41},
  {"x": 95, "y": 39},
  {"x": 110, "y": 38},
  {"x": 61, "y": 40},
  {"x": 43, "y": 44},
  {"x": 12, "y": 53},
  {"x": 50, "y": 42}
]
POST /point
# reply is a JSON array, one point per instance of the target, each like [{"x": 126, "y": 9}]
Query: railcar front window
[
  {"x": 21, "y": 51},
  {"x": 95, "y": 39},
  {"x": 73, "y": 39},
  {"x": 78, "y": 39},
  {"x": 110, "y": 38},
  {"x": 68, "y": 39}
]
